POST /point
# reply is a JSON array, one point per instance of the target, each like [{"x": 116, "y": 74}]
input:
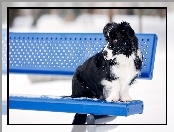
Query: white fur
[
  {"x": 109, "y": 53},
  {"x": 125, "y": 70},
  {"x": 139, "y": 54}
]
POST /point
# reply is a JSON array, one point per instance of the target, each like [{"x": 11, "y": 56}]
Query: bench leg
[
  {"x": 95, "y": 119},
  {"x": 99, "y": 119}
]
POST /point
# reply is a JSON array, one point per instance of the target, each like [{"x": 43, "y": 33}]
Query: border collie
[{"x": 110, "y": 73}]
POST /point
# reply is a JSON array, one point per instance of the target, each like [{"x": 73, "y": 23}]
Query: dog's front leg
[
  {"x": 124, "y": 94},
  {"x": 115, "y": 90}
]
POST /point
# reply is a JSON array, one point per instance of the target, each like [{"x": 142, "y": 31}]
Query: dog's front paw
[
  {"x": 125, "y": 98},
  {"x": 112, "y": 98}
]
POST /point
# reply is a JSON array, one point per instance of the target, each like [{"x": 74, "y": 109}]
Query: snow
[{"x": 151, "y": 92}]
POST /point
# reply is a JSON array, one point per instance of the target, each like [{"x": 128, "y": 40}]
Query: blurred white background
[{"x": 151, "y": 92}]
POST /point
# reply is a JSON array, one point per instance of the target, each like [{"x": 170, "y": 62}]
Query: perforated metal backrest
[{"x": 61, "y": 53}]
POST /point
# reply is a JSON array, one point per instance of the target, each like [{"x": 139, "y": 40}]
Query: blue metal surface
[
  {"x": 81, "y": 105},
  {"x": 61, "y": 53}
]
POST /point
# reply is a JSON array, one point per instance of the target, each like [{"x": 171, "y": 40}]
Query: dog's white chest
[{"x": 125, "y": 70}]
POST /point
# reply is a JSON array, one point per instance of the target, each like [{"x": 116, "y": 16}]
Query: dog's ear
[
  {"x": 108, "y": 28},
  {"x": 126, "y": 30}
]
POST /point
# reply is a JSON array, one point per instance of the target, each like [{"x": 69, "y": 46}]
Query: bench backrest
[{"x": 61, "y": 53}]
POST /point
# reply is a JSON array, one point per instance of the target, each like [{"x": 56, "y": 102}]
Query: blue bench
[{"x": 60, "y": 54}]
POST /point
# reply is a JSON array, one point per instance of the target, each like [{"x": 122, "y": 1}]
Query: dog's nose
[{"x": 105, "y": 53}]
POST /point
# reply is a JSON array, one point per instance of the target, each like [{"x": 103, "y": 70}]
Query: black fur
[{"x": 87, "y": 79}]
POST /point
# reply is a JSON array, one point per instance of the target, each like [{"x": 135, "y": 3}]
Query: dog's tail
[{"x": 79, "y": 119}]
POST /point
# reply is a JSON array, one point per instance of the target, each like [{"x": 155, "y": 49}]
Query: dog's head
[{"x": 120, "y": 39}]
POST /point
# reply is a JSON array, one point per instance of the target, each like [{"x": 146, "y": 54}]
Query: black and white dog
[{"x": 109, "y": 74}]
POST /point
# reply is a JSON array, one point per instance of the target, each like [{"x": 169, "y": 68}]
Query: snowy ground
[{"x": 151, "y": 92}]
